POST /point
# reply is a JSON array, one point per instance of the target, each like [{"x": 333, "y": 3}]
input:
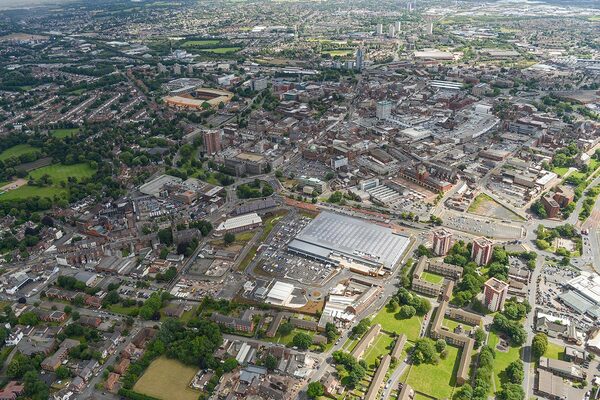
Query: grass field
[
  {"x": 389, "y": 323},
  {"x": 560, "y": 171},
  {"x": 119, "y": 309},
  {"x": 25, "y": 192},
  {"x": 555, "y": 351},
  {"x": 270, "y": 222},
  {"x": 199, "y": 43},
  {"x": 167, "y": 379},
  {"x": 287, "y": 339},
  {"x": 60, "y": 172},
  {"x": 381, "y": 345},
  {"x": 63, "y": 133},
  {"x": 503, "y": 358},
  {"x": 341, "y": 53},
  {"x": 436, "y": 380},
  {"x": 17, "y": 151},
  {"x": 222, "y": 50},
  {"x": 433, "y": 278}
]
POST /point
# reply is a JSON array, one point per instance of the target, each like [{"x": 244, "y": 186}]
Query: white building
[
  {"x": 384, "y": 109},
  {"x": 239, "y": 224},
  {"x": 280, "y": 293}
]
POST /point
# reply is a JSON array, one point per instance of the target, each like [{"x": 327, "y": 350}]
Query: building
[
  {"x": 360, "y": 59},
  {"x": 212, "y": 141},
  {"x": 280, "y": 293},
  {"x": 481, "y": 251},
  {"x": 384, "y": 109},
  {"x": 258, "y": 85},
  {"x": 364, "y": 343},
  {"x": 441, "y": 242},
  {"x": 54, "y": 361},
  {"x": 239, "y": 224},
  {"x": 12, "y": 391},
  {"x": 357, "y": 244},
  {"x": 379, "y": 29},
  {"x": 550, "y": 205},
  {"x": 550, "y": 386},
  {"x": 243, "y": 324},
  {"x": 398, "y": 347},
  {"x": 457, "y": 339},
  {"x": 378, "y": 378},
  {"x": 494, "y": 294},
  {"x": 562, "y": 368}
]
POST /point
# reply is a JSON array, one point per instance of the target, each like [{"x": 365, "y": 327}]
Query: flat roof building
[
  {"x": 333, "y": 238},
  {"x": 494, "y": 294},
  {"x": 238, "y": 224}
]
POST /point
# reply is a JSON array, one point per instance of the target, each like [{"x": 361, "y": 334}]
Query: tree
[
  {"x": 479, "y": 337},
  {"x": 35, "y": 389},
  {"x": 315, "y": 390},
  {"x": 539, "y": 345},
  {"x": 29, "y": 318},
  {"x": 331, "y": 332},
  {"x": 514, "y": 372},
  {"x": 424, "y": 352},
  {"x": 63, "y": 372},
  {"x": 165, "y": 236},
  {"x": 423, "y": 251},
  {"x": 230, "y": 364},
  {"x": 361, "y": 327},
  {"x": 406, "y": 312},
  {"x": 511, "y": 391},
  {"x": 285, "y": 329},
  {"x": 440, "y": 345},
  {"x": 465, "y": 392},
  {"x": 302, "y": 340},
  {"x": 229, "y": 238},
  {"x": 270, "y": 362}
]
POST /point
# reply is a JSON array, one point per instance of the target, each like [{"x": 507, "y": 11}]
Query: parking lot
[
  {"x": 551, "y": 283},
  {"x": 479, "y": 226},
  {"x": 275, "y": 261}
]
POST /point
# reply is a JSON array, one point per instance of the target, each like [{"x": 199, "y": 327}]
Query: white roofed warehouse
[
  {"x": 241, "y": 223},
  {"x": 358, "y": 244}
]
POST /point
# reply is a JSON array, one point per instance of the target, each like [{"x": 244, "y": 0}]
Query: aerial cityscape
[{"x": 296, "y": 199}]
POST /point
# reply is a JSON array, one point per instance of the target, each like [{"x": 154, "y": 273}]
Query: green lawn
[
  {"x": 63, "y": 133},
  {"x": 343, "y": 53},
  {"x": 167, "y": 379},
  {"x": 433, "y": 278},
  {"x": 61, "y": 173},
  {"x": 119, "y": 309},
  {"x": 287, "y": 339},
  {"x": 436, "y": 380},
  {"x": 223, "y": 50},
  {"x": 17, "y": 151},
  {"x": 270, "y": 222},
  {"x": 560, "y": 171},
  {"x": 503, "y": 359},
  {"x": 248, "y": 259},
  {"x": 389, "y": 323},
  {"x": 555, "y": 351},
  {"x": 199, "y": 43},
  {"x": 25, "y": 192},
  {"x": 451, "y": 324},
  {"x": 381, "y": 345},
  {"x": 349, "y": 345}
]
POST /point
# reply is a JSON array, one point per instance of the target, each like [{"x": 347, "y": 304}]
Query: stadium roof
[{"x": 361, "y": 240}]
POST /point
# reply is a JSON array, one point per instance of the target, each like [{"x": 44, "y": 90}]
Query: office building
[
  {"x": 494, "y": 294},
  {"x": 391, "y": 31},
  {"x": 441, "y": 242},
  {"x": 384, "y": 109},
  {"x": 212, "y": 142},
  {"x": 360, "y": 59},
  {"x": 482, "y": 250}
]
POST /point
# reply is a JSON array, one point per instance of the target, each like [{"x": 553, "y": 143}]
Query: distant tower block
[
  {"x": 360, "y": 59},
  {"x": 398, "y": 27},
  {"x": 482, "y": 250},
  {"x": 441, "y": 242},
  {"x": 391, "y": 31},
  {"x": 379, "y": 29},
  {"x": 212, "y": 141},
  {"x": 384, "y": 109}
]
